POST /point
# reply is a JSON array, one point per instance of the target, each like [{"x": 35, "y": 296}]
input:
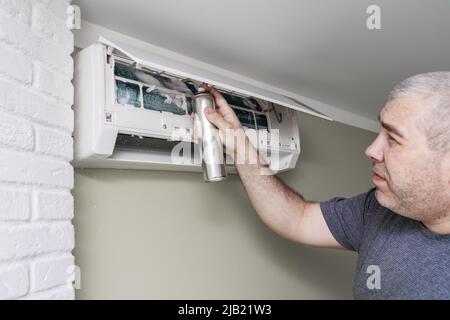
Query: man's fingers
[
  {"x": 223, "y": 108},
  {"x": 221, "y": 103},
  {"x": 220, "y": 100},
  {"x": 216, "y": 119}
]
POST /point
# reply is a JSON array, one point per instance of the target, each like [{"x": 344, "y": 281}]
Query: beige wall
[{"x": 168, "y": 235}]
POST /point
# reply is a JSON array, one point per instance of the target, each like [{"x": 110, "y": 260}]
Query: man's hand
[{"x": 224, "y": 118}]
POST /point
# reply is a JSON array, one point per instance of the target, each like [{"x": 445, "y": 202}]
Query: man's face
[{"x": 409, "y": 177}]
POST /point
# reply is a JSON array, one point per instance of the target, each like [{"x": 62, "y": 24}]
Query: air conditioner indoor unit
[{"x": 133, "y": 108}]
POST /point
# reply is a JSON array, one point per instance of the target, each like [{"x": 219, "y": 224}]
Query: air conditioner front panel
[{"x": 158, "y": 62}]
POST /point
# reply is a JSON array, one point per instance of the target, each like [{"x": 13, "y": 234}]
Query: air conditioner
[{"x": 133, "y": 109}]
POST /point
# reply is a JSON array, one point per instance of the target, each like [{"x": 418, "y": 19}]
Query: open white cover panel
[{"x": 159, "y": 62}]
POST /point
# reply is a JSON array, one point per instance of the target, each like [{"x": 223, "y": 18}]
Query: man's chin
[
  {"x": 382, "y": 198},
  {"x": 385, "y": 199}
]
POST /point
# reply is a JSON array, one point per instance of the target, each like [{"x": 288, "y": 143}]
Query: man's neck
[{"x": 440, "y": 226}]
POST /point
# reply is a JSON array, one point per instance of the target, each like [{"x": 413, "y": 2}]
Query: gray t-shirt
[{"x": 399, "y": 258}]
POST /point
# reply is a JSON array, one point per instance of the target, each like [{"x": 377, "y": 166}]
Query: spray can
[{"x": 210, "y": 146}]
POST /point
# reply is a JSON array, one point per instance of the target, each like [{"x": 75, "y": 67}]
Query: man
[{"x": 401, "y": 228}]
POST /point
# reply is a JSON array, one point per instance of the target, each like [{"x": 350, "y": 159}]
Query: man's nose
[{"x": 375, "y": 150}]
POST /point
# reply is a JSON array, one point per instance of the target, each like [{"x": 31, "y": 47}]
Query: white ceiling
[{"x": 320, "y": 49}]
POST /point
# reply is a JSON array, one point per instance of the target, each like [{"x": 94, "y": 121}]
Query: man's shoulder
[
  {"x": 370, "y": 199},
  {"x": 365, "y": 205},
  {"x": 363, "y": 202}
]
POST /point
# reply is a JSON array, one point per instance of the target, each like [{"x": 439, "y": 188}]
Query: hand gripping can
[{"x": 210, "y": 146}]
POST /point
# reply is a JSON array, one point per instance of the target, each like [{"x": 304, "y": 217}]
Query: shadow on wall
[{"x": 169, "y": 235}]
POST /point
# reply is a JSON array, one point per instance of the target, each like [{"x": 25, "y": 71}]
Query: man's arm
[
  {"x": 280, "y": 207},
  {"x": 283, "y": 209}
]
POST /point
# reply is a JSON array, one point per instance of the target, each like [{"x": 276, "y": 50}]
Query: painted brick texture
[{"x": 36, "y": 148}]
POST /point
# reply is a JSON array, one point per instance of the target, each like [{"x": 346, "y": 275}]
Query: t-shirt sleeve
[{"x": 345, "y": 218}]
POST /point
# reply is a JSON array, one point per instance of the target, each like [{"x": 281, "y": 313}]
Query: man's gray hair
[{"x": 434, "y": 89}]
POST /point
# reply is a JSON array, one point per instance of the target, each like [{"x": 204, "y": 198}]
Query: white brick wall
[
  {"x": 15, "y": 205},
  {"x": 36, "y": 147},
  {"x": 14, "y": 281}
]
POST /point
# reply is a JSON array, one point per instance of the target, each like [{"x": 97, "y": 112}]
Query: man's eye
[{"x": 390, "y": 138}]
